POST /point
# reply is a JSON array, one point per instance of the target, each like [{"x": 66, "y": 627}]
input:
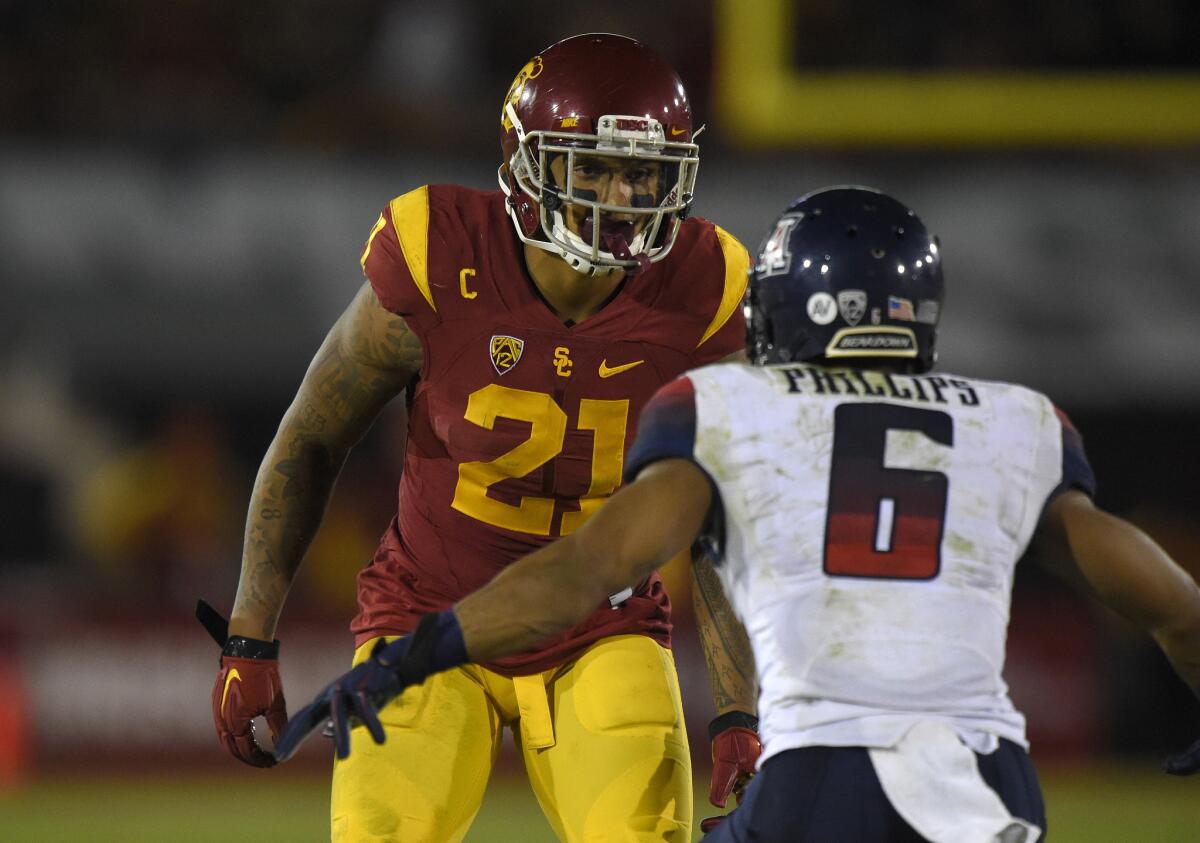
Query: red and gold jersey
[{"x": 519, "y": 423}]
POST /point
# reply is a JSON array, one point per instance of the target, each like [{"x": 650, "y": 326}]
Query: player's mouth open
[
  {"x": 609, "y": 228},
  {"x": 616, "y": 235}
]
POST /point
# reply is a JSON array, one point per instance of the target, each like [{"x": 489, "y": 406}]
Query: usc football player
[{"x": 526, "y": 327}]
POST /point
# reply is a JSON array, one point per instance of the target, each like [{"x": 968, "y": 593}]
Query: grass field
[{"x": 1094, "y": 804}]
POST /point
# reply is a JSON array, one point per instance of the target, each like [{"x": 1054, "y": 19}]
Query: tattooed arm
[
  {"x": 726, "y": 646},
  {"x": 734, "y": 732},
  {"x": 727, "y": 649},
  {"x": 368, "y": 357}
]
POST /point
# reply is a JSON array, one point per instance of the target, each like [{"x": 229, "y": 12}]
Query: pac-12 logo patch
[
  {"x": 505, "y": 351},
  {"x": 852, "y": 304}
]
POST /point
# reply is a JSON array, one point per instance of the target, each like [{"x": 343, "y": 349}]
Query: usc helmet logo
[{"x": 531, "y": 70}]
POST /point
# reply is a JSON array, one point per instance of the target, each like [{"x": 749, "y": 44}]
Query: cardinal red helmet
[{"x": 606, "y": 96}]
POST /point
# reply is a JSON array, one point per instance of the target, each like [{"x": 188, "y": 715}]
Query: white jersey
[{"x": 872, "y": 524}]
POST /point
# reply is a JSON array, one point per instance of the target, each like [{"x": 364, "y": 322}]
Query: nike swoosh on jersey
[
  {"x": 606, "y": 372},
  {"x": 233, "y": 674},
  {"x": 677, "y": 132}
]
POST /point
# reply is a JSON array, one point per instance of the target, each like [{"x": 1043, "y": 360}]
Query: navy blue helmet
[{"x": 848, "y": 275}]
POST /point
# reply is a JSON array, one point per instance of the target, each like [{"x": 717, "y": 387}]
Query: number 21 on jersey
[
  {"x": 608, "y": 419},
  {"x": 885, "y": 522}
]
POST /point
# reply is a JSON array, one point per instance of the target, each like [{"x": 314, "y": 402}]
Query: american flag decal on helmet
[{"x": 505, "y": 352}]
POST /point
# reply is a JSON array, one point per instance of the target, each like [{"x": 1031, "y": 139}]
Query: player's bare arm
[
  {"x": 367, "y": 358},
  {"x": 1127, "y": 571},
  {"x": 730, "y": 661},
  {"x": 641, "y": 527},
  {"x": 726, "y": 647}
]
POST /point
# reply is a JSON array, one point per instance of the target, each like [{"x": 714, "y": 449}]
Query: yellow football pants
[{"x": 602, "y": 738}]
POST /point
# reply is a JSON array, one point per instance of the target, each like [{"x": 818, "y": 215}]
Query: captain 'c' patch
[{"x": 505, "y": 352}]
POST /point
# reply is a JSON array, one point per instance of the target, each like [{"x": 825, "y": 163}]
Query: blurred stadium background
[{"x": 184, "y": 190}]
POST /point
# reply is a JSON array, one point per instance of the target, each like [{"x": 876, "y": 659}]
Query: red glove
[
  {"x": 247, "y": 685},
  {"x": 246, "y": 688},
  {"x": 735, "y": 750}
]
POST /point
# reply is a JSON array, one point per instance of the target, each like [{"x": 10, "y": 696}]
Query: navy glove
[
  {"x": 1185, "y": 763},
  {"x": 358, "y": 695}
]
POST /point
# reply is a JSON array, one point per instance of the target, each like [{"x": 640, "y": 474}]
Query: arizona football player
[
  {"x": 528, "y": 326},
  {"x": 870, "y": 517}
]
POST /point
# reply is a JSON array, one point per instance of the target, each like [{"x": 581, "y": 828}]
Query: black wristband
[
  {"x": 240, "y": 647},
  {"x": 730, "y": 720}
]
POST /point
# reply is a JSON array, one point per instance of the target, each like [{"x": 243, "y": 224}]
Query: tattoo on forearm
[
  {"x": 366, "y": 360},
  {"x": 312, "y": 418},
  {"x": 726, "y": 648},
  {"x": 291, "y": 469}
]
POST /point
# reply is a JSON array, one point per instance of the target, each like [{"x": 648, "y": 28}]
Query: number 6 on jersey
[{"x": 885, "y": 522}]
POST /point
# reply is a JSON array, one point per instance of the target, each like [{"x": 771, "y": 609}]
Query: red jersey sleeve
[
  {"x": 725, "y": 333},
  {"x": 396, "y": 258}
]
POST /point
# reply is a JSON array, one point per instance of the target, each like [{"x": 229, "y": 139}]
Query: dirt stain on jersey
[{"x": 959, "y": 545}]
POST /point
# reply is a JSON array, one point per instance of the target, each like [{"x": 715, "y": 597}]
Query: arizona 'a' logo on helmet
[
  {"x": 863, "y": 250},
  {"x": 604, "y": 96},
  {"x": 775, "y": 256},
  {"x": 505, "y": 352}
]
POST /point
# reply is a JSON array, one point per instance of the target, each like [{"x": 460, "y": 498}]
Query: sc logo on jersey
[{"x": 562, "y": 361}]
